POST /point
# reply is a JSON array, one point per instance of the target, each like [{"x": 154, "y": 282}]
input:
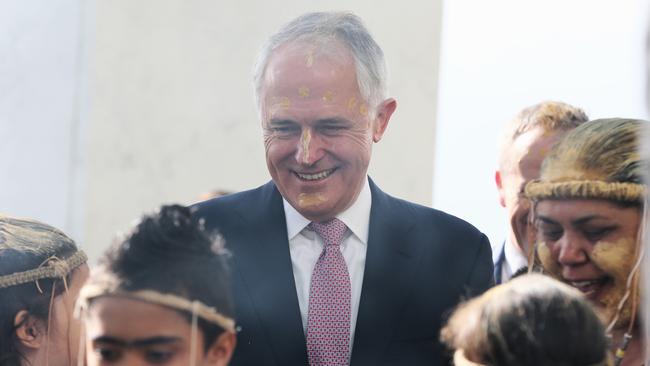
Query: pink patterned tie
[{"x": 328, "y": 320}]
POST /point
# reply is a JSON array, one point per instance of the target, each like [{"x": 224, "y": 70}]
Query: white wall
[
  {"x": 171, "y": 111},
  {"x": 503, "y": 55},
  {"x": 40, "y": 50}
]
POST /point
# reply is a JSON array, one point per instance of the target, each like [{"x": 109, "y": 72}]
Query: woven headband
[
  {"x": 53, "y": 267},
  {"x": 589, "y": 189},
  {"x": 208, "y": 313}
]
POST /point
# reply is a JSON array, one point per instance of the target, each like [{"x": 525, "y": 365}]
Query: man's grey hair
[{"x": 321, "y": 29}]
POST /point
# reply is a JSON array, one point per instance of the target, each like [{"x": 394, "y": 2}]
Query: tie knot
[{"x": 331, "y": 231}]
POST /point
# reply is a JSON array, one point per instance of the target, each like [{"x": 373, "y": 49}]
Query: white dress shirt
[
  {"x": 514, "y": 261},
  {"x": 306, "y": 246}
]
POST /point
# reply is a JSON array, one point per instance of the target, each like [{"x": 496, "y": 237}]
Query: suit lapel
[
  {"x": 266, "y": 269},
  {"x": 391, "y": 262},
  {"x": 498, "y": 263}
]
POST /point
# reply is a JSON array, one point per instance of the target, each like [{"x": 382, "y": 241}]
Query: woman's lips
[{"x": 589, "y": 287}]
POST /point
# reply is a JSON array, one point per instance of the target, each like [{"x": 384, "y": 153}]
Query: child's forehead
[{"x": 128, "y": 319}]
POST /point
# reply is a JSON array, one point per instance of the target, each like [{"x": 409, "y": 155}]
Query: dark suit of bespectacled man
[{"x": 320, "y": 86}]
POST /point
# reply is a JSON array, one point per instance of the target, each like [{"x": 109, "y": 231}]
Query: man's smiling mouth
[{"x": 314, "y": 176}]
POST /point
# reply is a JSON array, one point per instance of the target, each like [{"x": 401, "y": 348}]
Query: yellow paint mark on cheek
[
  {"x": 352, "y": 103},
  {"x": 303, "y": 92},
  {"x": 310, "y": 199},
  {"x": 616, "y": 259},
  {"x": 548, "y": 263},
  {"x": 328, "y": 97},
  {"x": 305, "y": 140}
]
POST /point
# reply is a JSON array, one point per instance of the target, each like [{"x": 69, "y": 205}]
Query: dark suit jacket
[{"x": 420, "y": 263}]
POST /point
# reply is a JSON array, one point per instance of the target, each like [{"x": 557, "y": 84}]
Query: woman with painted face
[
  {"x": 588, "y": 208},
  {"x": 41, "y": 273},
  {"x": 161, "y": 296}
]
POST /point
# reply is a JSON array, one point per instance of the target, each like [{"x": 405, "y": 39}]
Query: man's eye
[
  {"x": 284, "y": 130},
  {"x": 331, "y": 129},
  {"x": 158, "y": 356},
  {"x": 108, "y": 354}
]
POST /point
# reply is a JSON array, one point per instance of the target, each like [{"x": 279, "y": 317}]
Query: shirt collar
[
  {"x": 356, "y": 217},
  {"x": 515, "y": 259}
]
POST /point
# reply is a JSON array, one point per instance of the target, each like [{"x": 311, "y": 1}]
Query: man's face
[
  {"x": 525, "y": 160},
  {"x": 318, "y": 129}
]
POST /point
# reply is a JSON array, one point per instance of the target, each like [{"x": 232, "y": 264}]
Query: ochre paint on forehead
[
  {"x": 285, "y": 103},
  {"x": 299, "y": 79},
  {"x": 303, "y": 92},
  {"x": 309, "y": 57},
  {"x": 330, "y": 98}
]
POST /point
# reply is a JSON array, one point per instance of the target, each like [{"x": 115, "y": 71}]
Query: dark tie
[{"x": 328, "y": 320}]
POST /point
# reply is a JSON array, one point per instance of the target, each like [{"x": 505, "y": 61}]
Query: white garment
[
  {"x": 514, "y": 261},
  {"x": 306, "y": 246}
]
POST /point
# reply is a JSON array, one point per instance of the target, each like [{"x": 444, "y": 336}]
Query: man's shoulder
[
  {"x": 427, "y": 218},
  {"x": 234, "y": 200},
  {"x": 237, "y": 208}
]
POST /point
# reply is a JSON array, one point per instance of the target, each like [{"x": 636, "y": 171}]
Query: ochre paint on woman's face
[{"x": 591, "y": 245}]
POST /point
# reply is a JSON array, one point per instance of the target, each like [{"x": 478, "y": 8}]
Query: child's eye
[
  {"x": 158, "y": 356},
  {"x": 108, "y": 354}
]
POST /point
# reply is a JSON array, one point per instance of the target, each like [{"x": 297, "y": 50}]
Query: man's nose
[{"x": 309, "y": 149}]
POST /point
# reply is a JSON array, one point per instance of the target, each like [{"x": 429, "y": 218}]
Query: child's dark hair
[
  {"x": 26, "y": 245},
  {"x": 531, "y": 320},
  {"x": 171, "y": 253}
]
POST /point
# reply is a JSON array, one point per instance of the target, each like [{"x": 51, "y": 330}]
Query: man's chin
[
  {"x": 314, "y": 206},
  {"x": 310, "y": 201}
]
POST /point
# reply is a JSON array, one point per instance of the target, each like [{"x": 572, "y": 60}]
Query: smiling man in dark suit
[{"x": 327, "y": 268}]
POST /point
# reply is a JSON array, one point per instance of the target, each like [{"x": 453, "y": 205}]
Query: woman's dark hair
[
  {"x": 171, "y": 253},
  {"x": 532, "y": 320},
  {"x": 26, "y": 245}
]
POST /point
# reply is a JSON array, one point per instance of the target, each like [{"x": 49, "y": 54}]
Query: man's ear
[
  {"x": 384, "y": 112},
  {"x": 498, "y": 179},
  {"x": 220, "y": 352},
  {"x": 30, "y": 331}
]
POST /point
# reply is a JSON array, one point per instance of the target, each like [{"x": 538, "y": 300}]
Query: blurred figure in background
[
  {"x": 588, "y": 212},
  {"x": 532, "y": 320},
  {"x": 160, "y": 296},
  {"x": 525, "y": 142},
  {"x": 41, "y": 273}
]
